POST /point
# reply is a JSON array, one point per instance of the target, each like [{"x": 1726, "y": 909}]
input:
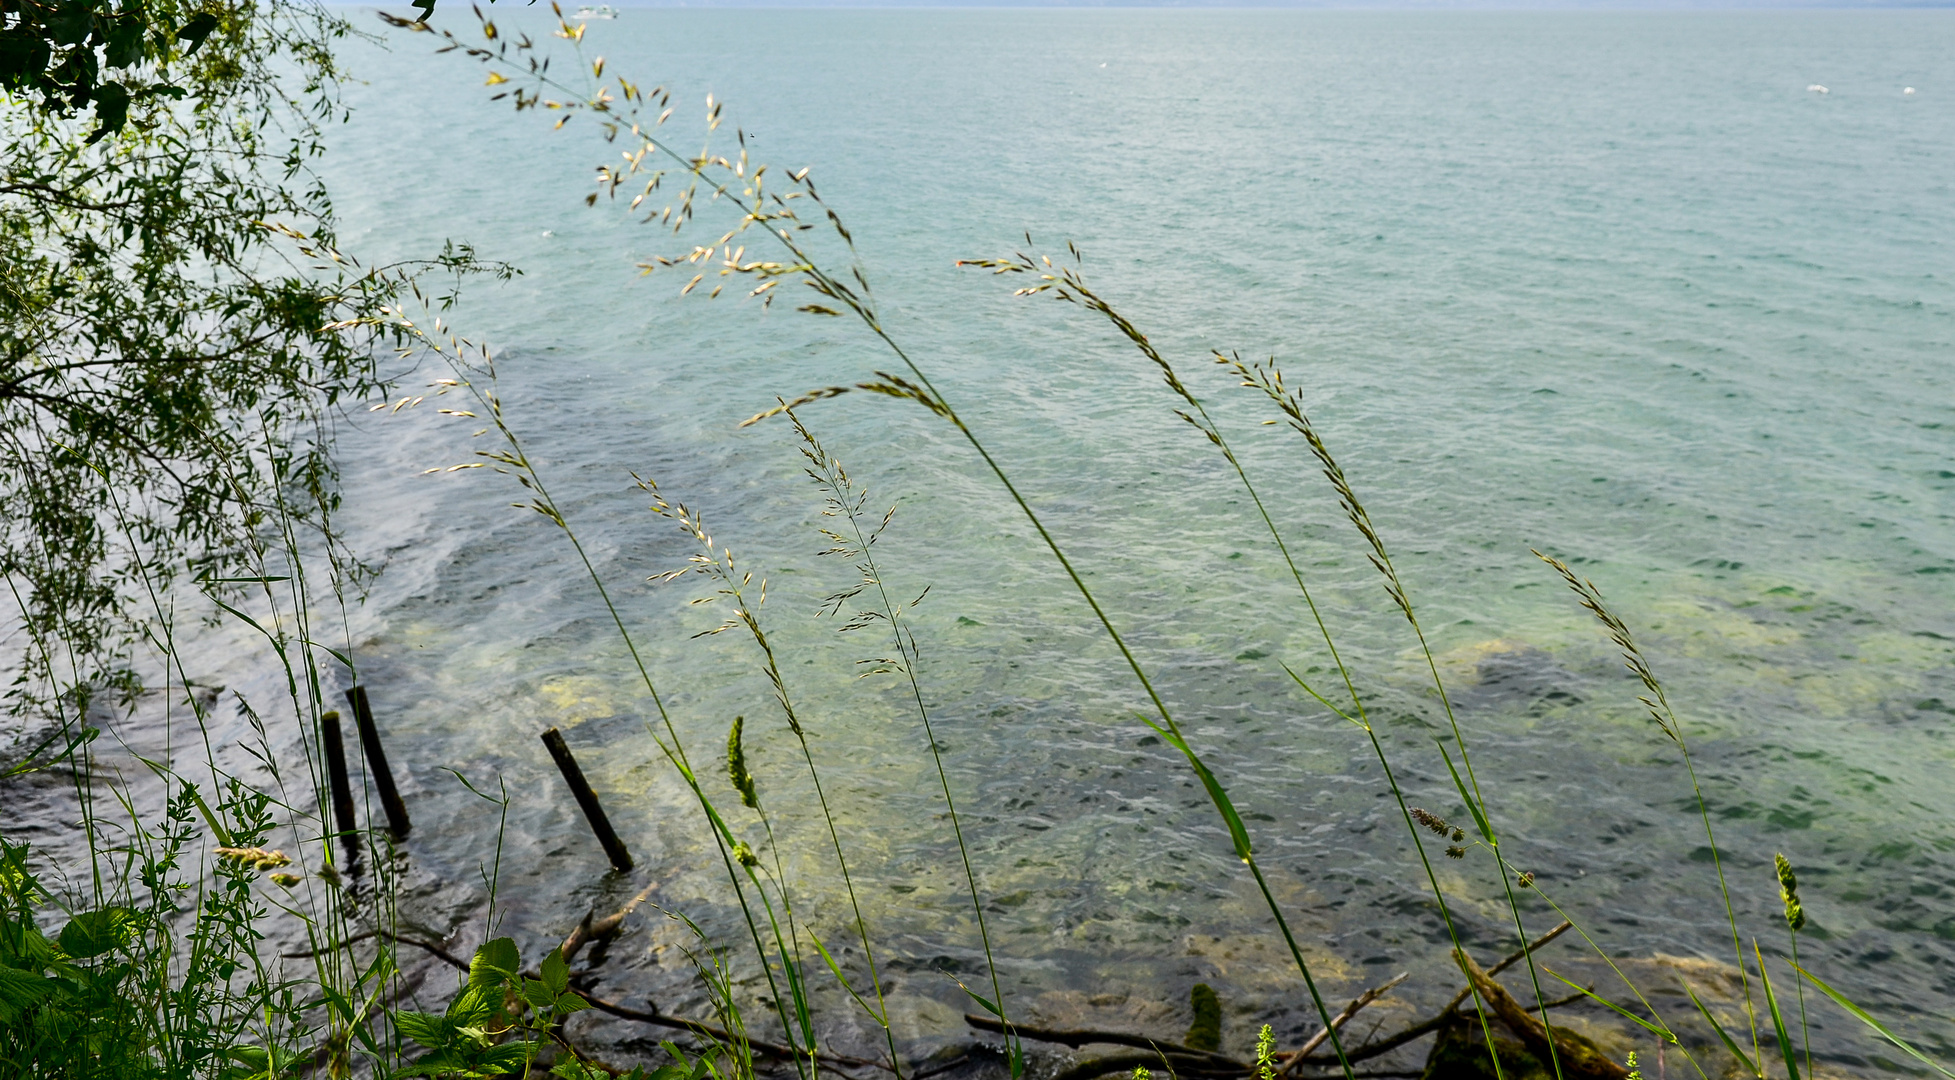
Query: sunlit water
[{"x": 1618, "y": 287}]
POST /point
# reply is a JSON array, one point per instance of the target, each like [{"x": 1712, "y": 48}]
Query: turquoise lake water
[{"x": 1616, "y": 286}]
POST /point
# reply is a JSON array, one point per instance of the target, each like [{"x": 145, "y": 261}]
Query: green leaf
[
  {"x": 339, "y": 1003},
  {"x": 1238, "y": 832},
  {"x": 217, "y": 828},
  {"x": 568, "y": 1002},
  {"x": 537, "y": 994},
  {"x": 111, "y": 110},
  {"x": 196, "y": 30},
  {"x": 1719, "y": 1028},
  {"x": 1662, "y": 1033},
  {"x": 508, "y": 1056},
  {"x": 21, "y": 990},
  {"x": 125, "y": 43},
  {"x": 1778, "y": 1022},
  {"x": 252, "y": 1057},
  {"x": 474, "y": 1005},
  {"x": 1320, "y": 698},
  {"x": 431, "y": 1031},
  {"x": 1861, "y": 1014},
  {"x": 494, "y": 964},
  {"x": 70, "y": 23},
  {"x": 93, "y": 933},
  {"x": 556, "y": 973},
  {"x": 843, "y": 979},
  {"x": 982, "y": 1001}
]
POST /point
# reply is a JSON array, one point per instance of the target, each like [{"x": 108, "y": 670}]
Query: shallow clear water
[{"x": 1616, "y": 286}]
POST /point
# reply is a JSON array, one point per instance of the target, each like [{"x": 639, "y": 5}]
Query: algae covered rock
[{"x": 1205, "y": 1033}]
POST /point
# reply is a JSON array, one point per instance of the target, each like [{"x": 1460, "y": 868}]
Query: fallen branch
[
  {"x": 603, "y": 929},
  {"x": 1317, "y": 1040},
  {"x": 1207, "y": 1063},
  {"x": 720, "y": 1035},
  {"x": 1575, "y": 1058},
  {"x": 365, "y": 935},
  {"x": 1510, "y": 960},
  {"x": 1425, "y": 1027},
  {"x": 1078, "y": 1037}
]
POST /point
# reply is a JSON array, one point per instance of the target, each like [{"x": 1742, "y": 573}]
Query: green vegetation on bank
[{"x": 181, "y": 331}]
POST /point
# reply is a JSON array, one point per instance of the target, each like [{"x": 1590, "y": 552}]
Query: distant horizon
[{"x": 1422, "y": 6}]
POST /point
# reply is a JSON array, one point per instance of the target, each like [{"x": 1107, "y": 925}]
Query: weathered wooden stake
[
  {"x": 586, "y": 798},
  {"x": 342, "y": 789},
  {"x": 383, "y": 777}
]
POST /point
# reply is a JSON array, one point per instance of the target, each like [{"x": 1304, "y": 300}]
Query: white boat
[{"x": 601, "y": 11}]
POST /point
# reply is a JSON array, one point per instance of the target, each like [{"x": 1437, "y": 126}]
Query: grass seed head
[
  {"x": 1795, "y": 913},
  {"x": 1439, "y": 826},
  {"x": 736, "y": 767}
]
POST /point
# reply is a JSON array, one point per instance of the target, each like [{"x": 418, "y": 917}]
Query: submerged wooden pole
[
  {"x": 342, "y": 788},
  {"x": 614, "y": 848},
  {"x": 383, "y": 777}
]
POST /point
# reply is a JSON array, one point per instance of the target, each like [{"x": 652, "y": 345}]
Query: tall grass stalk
[
  {"x": 845, "y": 501},
  {"x": 1666, "y": 721},
  {"x": 1268, "y": 378},
  {"x": 788, "y": 947},
  {"x": 1068, "y": 284},
  {"x": 717, "y": 562},
  {"x": 739, "y": 182},
  {"x": 1795, "y": 921}
]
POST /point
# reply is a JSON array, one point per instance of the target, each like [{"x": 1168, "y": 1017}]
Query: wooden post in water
[
  {"x": 383, "y": 777},
  {"x": 342, "y": 788},
  {"x": 586, "y": 798}
]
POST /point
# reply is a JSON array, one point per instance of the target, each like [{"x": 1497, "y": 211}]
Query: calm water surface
[{"x": 1616, "y": 286}]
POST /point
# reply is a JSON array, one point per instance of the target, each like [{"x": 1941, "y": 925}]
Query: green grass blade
[
  {"x": 1479, "y": 819},
  {"x": 1660, "y": 1032},
  {"x": 1238, "y": 832},
  {"x": 1778, "y": 1021},
  {"x": 1719, "y": 1028},
  {"x": 1840, "y": 1000},
  {"x": 841, "y": 978},
  {"x": 1308, "y": 689},
  {"x": 977, "y": 997}
]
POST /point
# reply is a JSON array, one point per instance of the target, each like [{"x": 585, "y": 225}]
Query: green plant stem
[
  {"x": 1805, "y": 1032},
  {"x": 723, "y": 569},
  {"x": 839, "y": 485},
  {"x": 1074, "y": 282}
]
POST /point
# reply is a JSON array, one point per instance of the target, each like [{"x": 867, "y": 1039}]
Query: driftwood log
[{"x": 1577, "y": 1056}]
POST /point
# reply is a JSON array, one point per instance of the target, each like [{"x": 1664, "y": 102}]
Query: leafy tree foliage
[
  {"x": 177, "y": 328},
  {"x": 61, "y": 54}
]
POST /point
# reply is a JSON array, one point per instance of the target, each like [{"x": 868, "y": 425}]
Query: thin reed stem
[
  {"x": 1068, "y": 284},
  {"x": 1666, "y": 720},
  {"x": 845, "y": 502},
  {"x": 717, "y": 562},
  {"x": 1269, "y": 379}
]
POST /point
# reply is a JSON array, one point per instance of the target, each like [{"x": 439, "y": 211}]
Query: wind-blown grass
[
  {"x": 358, "y": 1016},
  {"x": 790, "y": 217}
]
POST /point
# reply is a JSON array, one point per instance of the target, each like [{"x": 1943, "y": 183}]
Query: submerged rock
[{"x": 1460, "y": 1053}]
